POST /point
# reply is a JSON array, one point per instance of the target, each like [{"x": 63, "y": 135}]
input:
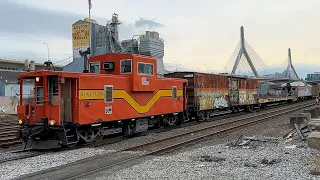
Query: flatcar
[
  {"x": 121, "y": 93},
  {"x": 269, "y": 92}
]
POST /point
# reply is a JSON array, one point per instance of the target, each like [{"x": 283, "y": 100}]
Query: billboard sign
[{"x": 80, "y": 38}]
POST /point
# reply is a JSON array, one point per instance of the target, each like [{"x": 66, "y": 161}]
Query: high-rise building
[
  {"x": 105, "y": 39},
  {"x": 152, "y": 45},
  {"x": 313, "y": 76}
]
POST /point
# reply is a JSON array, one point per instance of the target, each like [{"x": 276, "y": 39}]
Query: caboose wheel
[
  {"x": 170, "y": 121},
  {"x": 203, "y": 115},
  {"x": 99, "y": 138},
  {"x": 72, "y": 144},
  {"x": 88, "y": 135}
]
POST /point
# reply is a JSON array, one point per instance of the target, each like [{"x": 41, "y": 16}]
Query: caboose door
[
  {"x": 66, "y": 103},
  {"x": 234, "y": 91},
  {"x": 185, "y": 96}
]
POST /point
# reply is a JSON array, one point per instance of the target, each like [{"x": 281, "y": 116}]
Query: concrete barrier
[
  {"x": 299, "y": 119},
  {"x": 307, "y": 115},
  {"x": 314, "y": 111},
  {"x": 314, "y": 140}
]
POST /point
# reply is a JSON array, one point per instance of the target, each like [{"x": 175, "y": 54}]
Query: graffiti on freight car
[
  {"x": 263, "y": 89},
  {"x": 242, "y": 97},
  {"x": 304, "y": 91},
  {"x": 211, "y": 100},
  {"x": 247, "y": 97},
  {"x": 220, "y": 102},
  {"x": 233, "y": 96},
  {"x": 251, "y": 98}
]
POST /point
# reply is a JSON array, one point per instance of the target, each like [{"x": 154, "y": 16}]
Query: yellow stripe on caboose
[{"x": 123, "y": 94}]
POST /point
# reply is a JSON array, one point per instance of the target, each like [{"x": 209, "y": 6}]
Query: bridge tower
[
  {"x": 244, "y": 52},
  {"x": 290, "y": 72}
]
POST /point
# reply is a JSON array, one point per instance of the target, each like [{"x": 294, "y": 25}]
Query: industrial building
[
  {"x": 313, "y": 77},
  {"x": 105, "y": 39},
  {"x": 9, "y": 71}
]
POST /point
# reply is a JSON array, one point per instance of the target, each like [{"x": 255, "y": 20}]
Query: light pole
[
  {"x": 175, "y": 63},
  {"x": 69, "y": 57},
  {"x": 48, "y": 50}
]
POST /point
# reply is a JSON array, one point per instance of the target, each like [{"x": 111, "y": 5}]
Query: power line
[{"x": 63, "y": 59}]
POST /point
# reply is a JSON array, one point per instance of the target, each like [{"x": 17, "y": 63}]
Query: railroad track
[
  {"x": 103, "y": 162},
  {"x": 216, "y": 116},
  {"x": 8, "y": 128},
  {"x": 18, "y": 157}
]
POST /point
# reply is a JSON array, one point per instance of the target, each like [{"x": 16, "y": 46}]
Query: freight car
[
  {"x": 120, "y": 94},
  {"x": 299, "y": 90},
  {"x": 209, "y": 92},
  {"x": 269, "y": 92}
]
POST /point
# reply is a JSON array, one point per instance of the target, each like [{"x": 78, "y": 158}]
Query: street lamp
[
  {"x": 175, "y": 63},
  {"x": 48, "y": 50}
]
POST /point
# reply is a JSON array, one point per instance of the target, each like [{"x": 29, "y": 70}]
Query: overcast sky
[{"x": 195, "y": 32}]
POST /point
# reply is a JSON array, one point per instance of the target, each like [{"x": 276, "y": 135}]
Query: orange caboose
[{"x": 121, "y": 93}]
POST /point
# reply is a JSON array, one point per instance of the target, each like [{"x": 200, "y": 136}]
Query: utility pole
[{"x": 90, "y": 6}]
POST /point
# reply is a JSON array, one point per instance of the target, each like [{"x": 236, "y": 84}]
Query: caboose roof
[{"x": 58, "y": 73}]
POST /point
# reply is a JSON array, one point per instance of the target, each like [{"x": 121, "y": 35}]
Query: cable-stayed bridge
[{"x": 245, "y": 61}]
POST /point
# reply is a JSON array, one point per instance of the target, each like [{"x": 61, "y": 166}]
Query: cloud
[
  {"x": 147, "y": 23},
  {"x": 23, "y": 20},
  {"x": 27, "y": 20}
]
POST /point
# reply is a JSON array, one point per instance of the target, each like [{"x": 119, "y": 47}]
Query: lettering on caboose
[{"x": 91, "y": 94}]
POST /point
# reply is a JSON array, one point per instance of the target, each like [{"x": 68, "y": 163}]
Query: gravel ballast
[
  {"x": 13, "y": 169},
  {"x": 263, "y": 160},
  {"x": 155, "y": 136},
  {"x": 29, "y": 165}
]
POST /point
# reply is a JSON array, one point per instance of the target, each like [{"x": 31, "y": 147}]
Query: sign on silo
[{"x": 80, "y": 38}]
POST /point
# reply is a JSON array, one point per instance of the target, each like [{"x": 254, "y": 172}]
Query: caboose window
[
  {"x": 144, "y": 68},
  {"x": 95, "y": 67},
  {"x": 174, "y": 92},
  {"x": 53, "y": 90},
  {"x": 108, "y": 93},
  {"x": 126, "y": 66},
  {"x": 39, "y": 94}
]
